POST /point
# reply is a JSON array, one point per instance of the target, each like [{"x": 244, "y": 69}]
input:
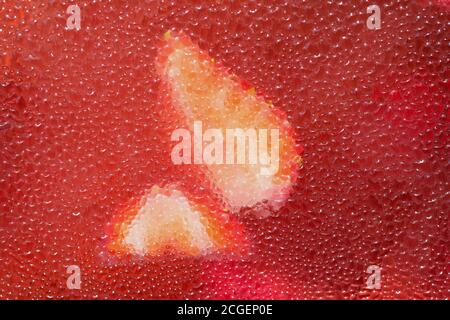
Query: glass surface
[{"x": 224, "y": 149}]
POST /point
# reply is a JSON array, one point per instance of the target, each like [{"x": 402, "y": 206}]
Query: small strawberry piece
[{"x": 165, "y": 220}]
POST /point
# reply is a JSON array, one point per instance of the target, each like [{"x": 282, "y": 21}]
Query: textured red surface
[{"x": 82, "y": 130}]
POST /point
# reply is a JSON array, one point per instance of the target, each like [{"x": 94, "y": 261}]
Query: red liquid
[{"x": 84, "y": 128}]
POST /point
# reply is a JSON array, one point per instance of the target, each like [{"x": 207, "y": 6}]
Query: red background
[{"x": 82, "y": 130}]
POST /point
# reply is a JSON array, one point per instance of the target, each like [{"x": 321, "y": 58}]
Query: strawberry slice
[
  {"x": 206, "y": 93},
  {"x": 166, "y": 220}
]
